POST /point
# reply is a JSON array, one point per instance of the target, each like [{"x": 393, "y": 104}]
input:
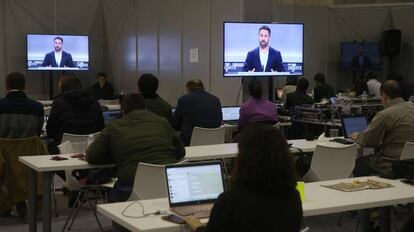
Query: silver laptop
[
  {"x": 194, "y": 187},
  {"x": 230, "y": 114}
]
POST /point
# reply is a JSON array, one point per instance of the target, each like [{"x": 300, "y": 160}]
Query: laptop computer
[
  {"x": 353, "y": 123},
  {"x": 194, "y": 187},
  {"x": 230, "y": 114},
  {"x": 109, "y": 115}
]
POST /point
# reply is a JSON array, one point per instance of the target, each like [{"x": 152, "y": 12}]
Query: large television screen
[
  {"x": 57, "y": 52},
  {"x": 263, "y": 49},
  {"x": 360, "y": 56}
]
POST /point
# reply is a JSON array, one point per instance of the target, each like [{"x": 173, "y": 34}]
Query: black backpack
[{"x": 403, "y": 169}]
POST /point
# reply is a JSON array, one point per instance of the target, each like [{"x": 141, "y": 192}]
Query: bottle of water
[{"x": 364, "y": 97}]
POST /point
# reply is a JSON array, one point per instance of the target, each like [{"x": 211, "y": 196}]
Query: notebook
[
  {"x": 353, "y": 123},
  {"x": 109, "y": 115},
  {"x": 230, "y": 114},
  {"x": 194, "y": 187}
]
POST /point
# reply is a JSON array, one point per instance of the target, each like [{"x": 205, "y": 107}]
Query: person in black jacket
[
  {"x": 299, "y": 97},
  {"x": 298, "y": 130},
  {"x": 197, "y": 108},
  {"x": 73, "y": 111},
  {"x": 20, "y": 116},
  {"x": 322, "y": 90},
  {"x": 102, "y": 89},
  {"x": 262, "y": 195}
]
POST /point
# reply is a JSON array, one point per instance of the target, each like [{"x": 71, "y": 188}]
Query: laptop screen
[
  {"x": 194, "y": 183},
  {"x": 230, "y": 113},
  {"x": 109, "y": 115},
  {"x": 351, "y": 124}
]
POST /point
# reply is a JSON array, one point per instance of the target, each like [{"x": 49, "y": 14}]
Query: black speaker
[{"x": 390, "y": 42}]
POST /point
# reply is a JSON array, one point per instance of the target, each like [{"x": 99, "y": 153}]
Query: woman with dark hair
[
  {"x": 262, "y": 195},
  {"x": 257, "y": 109},
  {"x": 73, "y": 111}
]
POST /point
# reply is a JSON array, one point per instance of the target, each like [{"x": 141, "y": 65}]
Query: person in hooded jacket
[{"x": 73, "y": 111}]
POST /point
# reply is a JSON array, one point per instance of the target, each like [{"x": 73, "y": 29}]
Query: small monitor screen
[
  {"x": 353, "y": 124},
  {"x": 360, "y": 56},
  {"x": 194, "y": 183},
  {"x": 263, "y": 49},
  {"x": 57, "y": 52}
]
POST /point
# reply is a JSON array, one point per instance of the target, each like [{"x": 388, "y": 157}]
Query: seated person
[
  {"x": 20, "y": 116},
  {"x": 390, "y": 129},
  {"x": 359, "y": 87},
  {"x": 373, "y": 85},
  {"x": 290, "y": 86},
  {"x": 73, "y": 111},
  {"x": 262, "y": 195},
  {"x": 298, "y": 130},
  {"x": 407, "y": 86},
  {"x": 147, "y": 87},
  {"x": 322, "y": 90},
  {"x": 257, "y": 109},
  {"x": 102, "y": 89},
  {"x": 139, "y": 136},
  {"x": 196, "y": 108},
  {"x": 299, "y": 97}
]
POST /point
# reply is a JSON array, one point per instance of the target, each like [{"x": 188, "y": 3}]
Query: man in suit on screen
[
  {"x": 58, "y": 57},
  {"x": 264, "y": 58}
]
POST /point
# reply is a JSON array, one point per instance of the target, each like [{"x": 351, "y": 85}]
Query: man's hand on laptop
[{"x": 355, "y": 135}]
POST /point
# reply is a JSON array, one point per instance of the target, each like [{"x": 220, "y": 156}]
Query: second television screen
[
  {"x": 263, "y": 49},
  {"x": 57, "y": 52}
]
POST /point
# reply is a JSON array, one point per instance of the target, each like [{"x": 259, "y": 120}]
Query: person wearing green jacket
[{"x": 139, "y": 136}]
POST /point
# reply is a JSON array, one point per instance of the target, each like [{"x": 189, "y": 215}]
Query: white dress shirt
[
  {"x": 374, "y": 87},
  {"x": 58, "y": 58},
  {"x": 263, "y": 58}
]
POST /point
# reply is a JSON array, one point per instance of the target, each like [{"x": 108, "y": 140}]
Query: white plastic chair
[
  {"x": 78, "y": 138},
  {"x": 329, "y": 163},
  {"x": 149, "y": 182},
  {"x": 408, "y": 151},
  {"x": 207, "y": 136}
]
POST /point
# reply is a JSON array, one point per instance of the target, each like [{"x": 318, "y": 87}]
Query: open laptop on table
[
  {"x": 194, "y": 187},
  {"x": 109, "y": 115},
  {"x": 230, "y": 114},
  {"x": 351, "y": 124}
]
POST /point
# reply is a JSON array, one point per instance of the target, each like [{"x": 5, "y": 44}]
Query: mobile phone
[
  {"x": 173, "y": 218},
  {"x": 58, "y": 158},
  {"x": 409, "y": 182}
]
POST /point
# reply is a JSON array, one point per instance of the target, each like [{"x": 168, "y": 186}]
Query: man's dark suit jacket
[
  {"x": 198, "y": 108},
  {"x": 51, "y": 61},
  {"x": 366, "y": 64},
  {"x": 274, "y": 61},
  {"x": 323, "y": 91}
]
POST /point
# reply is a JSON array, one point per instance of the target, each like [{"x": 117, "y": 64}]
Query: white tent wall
[
  {"x": 3, "y": 60},
  {"x": 156, "y": 37},
  {"x": 49, "y": 16},
  {"x": 131, "y": 37},
  {"x": 326, "y": 27}
]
